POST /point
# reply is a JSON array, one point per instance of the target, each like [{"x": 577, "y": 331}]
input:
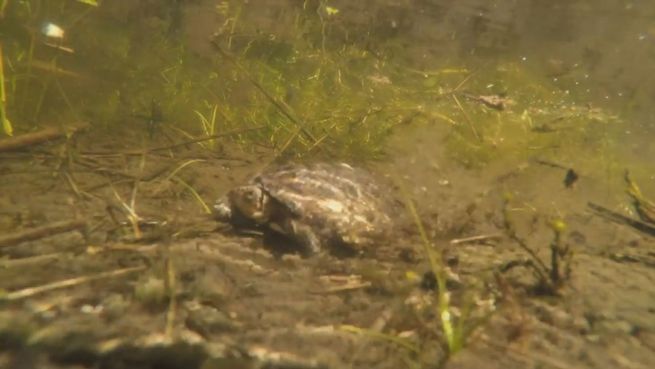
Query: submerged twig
[
  {"x": 496, "y": 102},
  {"x": 346, "y": 283},
  {"x": 571, "y": 176},
  {"x": 29, "y": 261},
  {"x": 622, "y": 219},
  {"x": 41, "y": 232},
  {"x": 31, "y": 291},
  {"x": 33, "y": 138},
  {"x": 466, "y": 117},
  {"x": 643, "y": 206},
  {"x": 185, "y": 143},
  {"x": 473, "y": 239},
  {"x": 52, "y": 68}
]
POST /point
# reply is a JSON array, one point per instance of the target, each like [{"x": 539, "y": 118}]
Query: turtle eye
[{"x": 254, "y": 197}]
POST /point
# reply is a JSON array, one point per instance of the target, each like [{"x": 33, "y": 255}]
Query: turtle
[{"x": 318, "y": 205}]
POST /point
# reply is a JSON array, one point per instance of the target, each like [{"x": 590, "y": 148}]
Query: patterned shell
[{"x": 339, "y": 202}]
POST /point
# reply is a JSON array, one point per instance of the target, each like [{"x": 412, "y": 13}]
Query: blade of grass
[
  {"x": 89, "y": 2},
  {"x": 32, "y": 291},
  {"x": 194, "y": 193},
  {"x": 279, "y": 105},
  {"x": 6, "y": 124},
  {"x": 182, "y": 166},
  {"x": 466, "y": 117},
  {"x": 453, "y": 338}
]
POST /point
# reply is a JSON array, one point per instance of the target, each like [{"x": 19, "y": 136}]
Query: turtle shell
[{"x": 340, "y": 203}]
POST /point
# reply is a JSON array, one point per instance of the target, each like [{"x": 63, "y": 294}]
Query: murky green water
[{"x": 338, "y": 78}]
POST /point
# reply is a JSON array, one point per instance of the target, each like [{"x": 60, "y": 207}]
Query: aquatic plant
[{"x": 551, "y": 275}]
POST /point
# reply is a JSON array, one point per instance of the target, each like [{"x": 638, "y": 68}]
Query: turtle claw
[{"x": 306, "y": 237}]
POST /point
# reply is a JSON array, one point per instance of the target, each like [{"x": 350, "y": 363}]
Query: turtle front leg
[{"x": 306, "y": 237}]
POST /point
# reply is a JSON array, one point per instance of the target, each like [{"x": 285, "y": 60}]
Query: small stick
[
  {"x": 33, "y": 138},
  {"x": 174, "y": 146},
  {"x": 30, "y": 260},
  {"x": 51, "y": 68},
  {"x": 31, "y": 291},
  {"x": 348, "y": 287},
  {"x": 465, "y": 80},
  {"x": 72, "y": 185},
  {"x": 41, "y": 232},
  {"x": 622, "y": 219},
  {"x": 461, "y": 84},
  {"x": 484, "y": 237},
  {"x": 466, "y": 117},
  {"x": 551, "y": 164}
]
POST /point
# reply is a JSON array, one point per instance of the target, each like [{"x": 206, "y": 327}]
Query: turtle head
[
  {"x": 251, "y": 202},
  {"x": 223, "y": 210}
]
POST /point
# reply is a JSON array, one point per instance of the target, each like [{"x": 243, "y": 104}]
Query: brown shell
[{"x": 340, "y": 203}]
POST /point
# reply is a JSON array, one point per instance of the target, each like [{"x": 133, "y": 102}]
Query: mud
[{"x": 193, "y": 294}]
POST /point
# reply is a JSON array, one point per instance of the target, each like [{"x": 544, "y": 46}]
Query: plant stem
[
  {"x": 6, "y": 124},
  {"x": 453, "y": 338}
]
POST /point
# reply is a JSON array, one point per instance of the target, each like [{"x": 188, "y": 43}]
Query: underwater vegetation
[{"x": 304, "y": 88}]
